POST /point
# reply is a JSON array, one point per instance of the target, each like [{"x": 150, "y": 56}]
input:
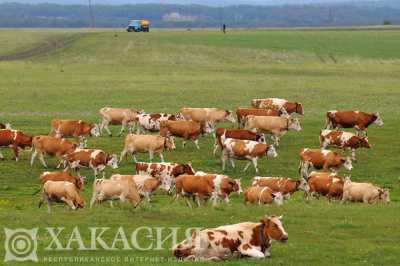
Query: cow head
[
  {"x": 378, "y": 119},
  {"x": 294, "y": 124},
  {"x": 384, "y": 195},
  {"x": 347, "y": 163},
  {"x": 302, "y": 184},
  {"x": 229, "y": 116},
  {"x": 95, "y": 130},
  {"x": 260, "y": 137},
  {"x": 79, "y": 202},
  {"x": 273, "y": 228},
  {"x": 364, "y": 143},
  {"x": 188, "y": 169},
  {"x": 278, "y": 198},
  {"x": 112, "y": 160},
  {"x": 347, "y": 180},
  {"x": 299, "y": 108},
  {"x": 187, "y": 248},
  {"x": 271, "y": 151},
  {"x": 179, "y": 116},
  {"x": 256, "y": 103},
  {"x": 238, "y": 186}
]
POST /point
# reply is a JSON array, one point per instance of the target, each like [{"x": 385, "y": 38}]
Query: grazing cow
[
  {"x": 15, "y": 139},
  {"x": 364, "y": 192},
  {"x": 262, "y": 195},
  {"x": 165, "y": 172},
  {"x": 95, "y": 159},
  {"x": 279, "y": 104},
  {"x": 51, "y": 146},
  {"x": 152, "y": 144},
  {"x": 247, "y": 239},
  {"x": 151, "y": 122},
  {"x": 188, "y": 130},
  {"x": 145, "y": 184},
  {"x": 110, "y": 189},
  {"x": 118, "y": 116},
  {"x": 211, "y": 115},
  {"x": 242, "y": 113},
  {"x": 61, "y": 191},
  {"x": 274, "y": 125},
  {"x": 352, "y": 119},
  {"x": 64, "y": 128},
  {"x": 79, "y": 182},
  {"x": 197, "y": 187},
  {"x": 236, "y": 134},
  {"x": 344, "y": 140},
  {"x": 325, "y": 184},
  {"x": 244, "y": 150},
  {"x": 5, "y": 126},
  {"x": 285, "y": 185},
  {"x": 322, "y": 159}
]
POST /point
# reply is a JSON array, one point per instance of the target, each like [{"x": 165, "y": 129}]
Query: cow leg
[
  {"x": 95, "y": 172},
  {"x": 224, "y": 156},
  {"x": 107, "y": 129},
  {"x": 215, "y": 146},
  {"x": 123, "y": 154},
  {"x": 16, "y": 153},
  {"x": 353, "y": 155},
  {"x": 1, "y": 155},
  {"x": 151, "y": 155},
  {"x": 254, "y": 160},
  {"x": 196, "y": 142},
  {"x": 251, "y": 252},
  {"x": 70, "y": 203},
  {"x": 247, "y": 166},
  {"x": 93, "y": 199},
  {"x": 122, "y": 128},
  {"x": 183, "y": 143},
  {"x": 41, "y": 158},
  {"x": 161, "y": 157},
  {"x": 34, "y": 154},
  {"x": 188, "y": 202},
  {"x": 232, "y": 162}
]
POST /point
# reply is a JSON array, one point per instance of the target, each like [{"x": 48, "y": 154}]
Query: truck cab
[{"x": 138, "y": 25}]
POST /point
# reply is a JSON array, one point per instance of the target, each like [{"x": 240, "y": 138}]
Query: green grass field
[{"x": 165, "y": 70}]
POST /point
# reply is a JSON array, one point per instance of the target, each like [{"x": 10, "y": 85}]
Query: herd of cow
[{"x": 271, "y": 116}]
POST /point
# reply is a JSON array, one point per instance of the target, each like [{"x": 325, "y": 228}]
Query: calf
[
  {"x": 15, "y": 139},
  {"x": 64, "y": 128},
  {"x": 364, "y": 192},
  {"x": 242, "y": 113},
  {"x": 110, "y": 189},
  {"x": 278, "y": 104},
  {"x": 63, "y": 176},
  {"x": 151, "y": 122},
  {"x": 51, "y": 146},
  {"x": 145, "y": 184},
  {"x": 245, "y": 150},
  {"x": 246, "y": 239},
  {"x": 165, "y": 172},
  {"x": 344, "y": 140},
  {"x": 262, "y": 195},
  {"x": 273, "y": 125},
  {"x": 322, "y": 159},
  {"x": 325, "y": 184},
  {"x": 352, "y": 119},
  {"x": 210, "y": 115},
  {"x": 97, "y": 160},
  {"x": 188, "y": 130},
  {"x": 154, "y": 145},
  {"x": 61, "y": 191},
  {"x": 285, "y": 185},
  {"x": 236, "y": 134},
  {"x": 118, "y": 116}
]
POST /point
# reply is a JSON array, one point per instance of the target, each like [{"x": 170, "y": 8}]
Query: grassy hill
[{"x": 164, "y": 70}]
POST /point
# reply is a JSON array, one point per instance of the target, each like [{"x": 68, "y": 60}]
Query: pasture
[{"x": 165, "y": 70}]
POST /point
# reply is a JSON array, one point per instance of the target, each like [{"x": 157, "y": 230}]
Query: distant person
[{"x": 224, "y": 28}]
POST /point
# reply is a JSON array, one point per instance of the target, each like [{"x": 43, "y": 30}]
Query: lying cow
[
  {"x": 154, "y": 145},
  {"x": 151, "y": 122},
  {"x": 285, "y": 185},
  {"x": 78, "y": 181},
  {"x": 242, "y": 113},
  {"x": 16, "y": 140},
  {"x": 247, "y": 239},
  {"x": 123, "y": 189},
  {"x": 273, "y": 125},
  {"x": 145, "y": 184},
  {"x": 236, "y": 134},
  {"x": 325, "y": 184},
  {"x": 80, "y": 130},
  {"x": 262, "y": 195},
  {"x": 343, "y": 140},
  {"x": 364, "y": 192},
  {"x": 165, "y": 172},
  {"x": 51, "y": 146},
  {"x": 61, "y": 191},
  {"x": 125, "y": 117},
  {"x": 187, "y": 130},
  {"x": 95, "y": 159},
  {"x": 322, "y": 159},
  {"x": 244, "y": 149},
  {"x": 278, "y": 104},
  {"x": 210, "y": 115},
  {"x": 352, "y": 119}
]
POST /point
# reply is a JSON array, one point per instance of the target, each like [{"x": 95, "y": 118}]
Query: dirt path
[{"x": 43, "y": 48}]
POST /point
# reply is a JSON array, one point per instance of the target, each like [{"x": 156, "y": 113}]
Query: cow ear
[
  {"x": 265, "y": 220},
  {"x": 280, "y": 217}
]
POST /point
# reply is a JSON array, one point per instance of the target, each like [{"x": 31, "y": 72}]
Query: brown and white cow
[
  {"x": 95, "y": 159},
  {"x": 145, "y": 184},
  {"x": 273, "y": 125},
  {"x": 278, "y": 104},
  {"x": 151, "y": 122},
  {"x": 325, "y": 184},
  {"x": 322, "y": 159},
  {"x": 287, "y": 186},
  {"x": 51, "y": 146},
  {"x": 78, "y": 181},
  {"x": 200, "y": 188},
  {"x": 236, "y": 134},
  {"x": 245, "y": 150},
  {"x": 352, "y": 119},
  {"x": 154, "y": 145},
  {"x": 61, "y": 191},
  {"x": 210, "y": 115},
  {"x": 126, "y": 117},
  {"x": 242, "y": 113},
  {"x": 364, "y": 192},
  {"x": 64, "y": 128},
  {"x": 262, "y": 195},
  {"x": 187, "y": 130},
  {"x": 15, "y": 139},
  {"x": 343, "y": 140},
  {"x": 165, "y": 172},
  {"x": 247, "y": 239}
]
